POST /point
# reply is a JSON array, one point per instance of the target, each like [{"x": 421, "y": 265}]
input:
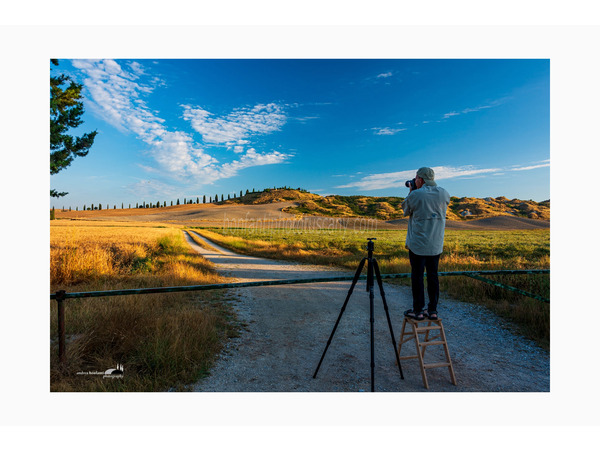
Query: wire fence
[{"x": 61, "y": 296}]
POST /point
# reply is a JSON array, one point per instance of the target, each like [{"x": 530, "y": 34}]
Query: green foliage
[{"x": 66, "y": 109}]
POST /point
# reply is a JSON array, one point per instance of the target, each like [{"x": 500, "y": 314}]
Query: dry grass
[
  {"x": 464, "y": 250},
  {"x": 163, "y": 340}
]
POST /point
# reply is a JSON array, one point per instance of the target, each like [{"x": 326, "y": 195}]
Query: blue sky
[{"x": 171, "y": 129}]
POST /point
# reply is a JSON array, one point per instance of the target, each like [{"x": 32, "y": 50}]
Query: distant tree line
[{"x": 186, "y": 201}]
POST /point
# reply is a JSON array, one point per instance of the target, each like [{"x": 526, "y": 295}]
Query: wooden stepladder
[{"x": 428, "y": 328}]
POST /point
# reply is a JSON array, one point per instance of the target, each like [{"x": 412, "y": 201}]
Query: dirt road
[{"x": 288, "y": 328}]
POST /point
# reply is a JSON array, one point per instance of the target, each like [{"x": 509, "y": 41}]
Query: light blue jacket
[{"x": 426, "y": 208}]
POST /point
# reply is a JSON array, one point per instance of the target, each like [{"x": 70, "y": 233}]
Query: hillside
[
  {"x": 390, "y": 208},
  {"x": 273, "y": 196},
  {"x": 287, "y": 203}
]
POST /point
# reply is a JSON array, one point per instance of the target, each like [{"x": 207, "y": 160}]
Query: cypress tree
[
  {"x": 177, "y": 201},
  {"x": 241, "y": 195},
  {"x": 204, "y": 199},
  {"x": 92, "y": 206},
  {"x": 100, "y": 207}
]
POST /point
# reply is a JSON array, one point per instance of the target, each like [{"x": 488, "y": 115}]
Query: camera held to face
[{"x": 411, "y": 183}]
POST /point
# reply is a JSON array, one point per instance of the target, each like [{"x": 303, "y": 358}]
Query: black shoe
[{"x": 414, "y": 315}]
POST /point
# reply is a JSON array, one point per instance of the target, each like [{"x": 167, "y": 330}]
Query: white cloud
[
  {"x": 385, "y": 75},
  {"x": 387, "y": 131},
  {"x": 251, "y": 159},
  {"x": 237, "y": 125},
  {"x": 116, "y": 95},
  {"x": 536, "y": 166},
  {"x": 397, "y": 179},
  {"x": 450, "y": 114},
  {"x": 475, "y": 109}
]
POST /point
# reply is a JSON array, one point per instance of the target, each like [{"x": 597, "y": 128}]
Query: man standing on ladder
[{"x": 426, "y": 206}]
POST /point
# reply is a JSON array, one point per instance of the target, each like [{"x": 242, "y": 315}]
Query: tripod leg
[
  {"x": 387, "y": 313},
  {"x": 354, "y": 281},
  {"x": 372, "y": 320}
]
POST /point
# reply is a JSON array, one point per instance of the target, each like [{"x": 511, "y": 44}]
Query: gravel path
[{"x": 288, "y": 327}]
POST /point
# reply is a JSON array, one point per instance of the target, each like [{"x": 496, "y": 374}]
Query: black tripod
[{"x": 372, "y": 269}]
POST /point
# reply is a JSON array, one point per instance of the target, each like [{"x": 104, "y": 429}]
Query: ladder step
[
  {"x": 422, "y": 329},
  {"x": 432, "y": 365},
  {"x": 433, "y": 343}
]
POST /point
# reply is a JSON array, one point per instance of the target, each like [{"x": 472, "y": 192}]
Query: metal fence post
[{"x": 60, "y": 298}]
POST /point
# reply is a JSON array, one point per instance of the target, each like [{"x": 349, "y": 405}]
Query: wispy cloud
[
  {"x": 241, "y": 123},
  {"x": 387, "y": 131},
  {"x": 397, "y": 179},
  {"x": 117, "y": 95},
  {"x": 390, "y": 131},
  {"x": 450, "y": 114},
  {"x": 383, "y": 77},
  {"x": 491, "y": 104},
  {"x": 536, "y": 166}
]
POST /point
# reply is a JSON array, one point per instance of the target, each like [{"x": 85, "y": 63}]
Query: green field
[{"x": 463, "y": 250}]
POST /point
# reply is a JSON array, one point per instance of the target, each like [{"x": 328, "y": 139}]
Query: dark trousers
[{"x": 418, "y": 264}]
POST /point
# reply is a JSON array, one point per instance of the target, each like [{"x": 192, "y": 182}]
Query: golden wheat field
[
  {"x": 165, "y": 340},
  {"x": 111, "y": 253}
]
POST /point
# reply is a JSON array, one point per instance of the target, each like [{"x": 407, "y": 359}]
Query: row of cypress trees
[{"x": 163, "y": 204}]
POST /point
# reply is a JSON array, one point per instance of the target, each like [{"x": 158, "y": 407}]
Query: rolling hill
[
  {"x": 296, "y": 204},
  {"x": 390, "y": 208}
]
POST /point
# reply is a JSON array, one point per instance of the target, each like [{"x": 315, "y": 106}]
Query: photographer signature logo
[
  {"x": 114, "y": 373},
  {"x": 109, "y": 373}
]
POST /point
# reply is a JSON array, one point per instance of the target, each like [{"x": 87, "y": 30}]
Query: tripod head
[{"x": 371, "y": 244}]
